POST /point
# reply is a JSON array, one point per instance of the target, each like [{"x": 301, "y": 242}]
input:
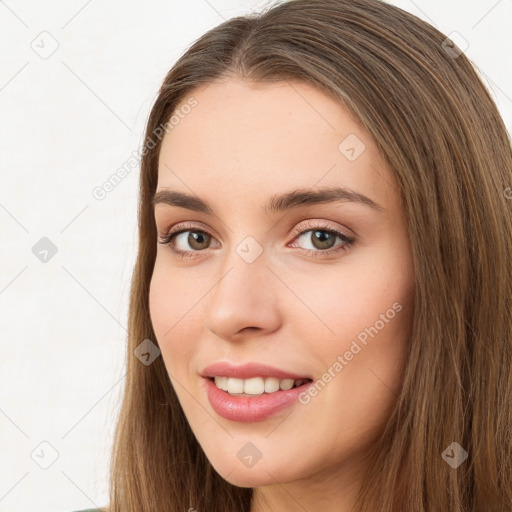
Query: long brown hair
[{"x": 441, "y": 134}]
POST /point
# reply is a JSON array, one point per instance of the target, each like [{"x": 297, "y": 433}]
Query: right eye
[{"x": 197, "y": 239}]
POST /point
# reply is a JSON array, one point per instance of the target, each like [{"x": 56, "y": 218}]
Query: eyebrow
[{"x": 277, "y": 203}]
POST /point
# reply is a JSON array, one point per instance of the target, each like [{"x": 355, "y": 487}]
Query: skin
[{"x": 240, "y": 145}]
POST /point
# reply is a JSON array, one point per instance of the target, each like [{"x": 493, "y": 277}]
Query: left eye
[{"x": 324, "y": 239}]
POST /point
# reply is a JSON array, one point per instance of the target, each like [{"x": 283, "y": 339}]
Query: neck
[{"x": 329, "y": 491}]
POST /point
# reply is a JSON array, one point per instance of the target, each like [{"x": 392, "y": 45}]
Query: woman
[{"x": 320, "y": 313}]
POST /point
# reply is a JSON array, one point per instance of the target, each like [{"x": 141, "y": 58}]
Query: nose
[{"x": 244, "y": 297}]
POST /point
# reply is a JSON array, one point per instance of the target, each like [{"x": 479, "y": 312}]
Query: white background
[{"x": 67, "y": 122}]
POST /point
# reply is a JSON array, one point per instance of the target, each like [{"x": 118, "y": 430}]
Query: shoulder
[{"x": 90, "y": 510}]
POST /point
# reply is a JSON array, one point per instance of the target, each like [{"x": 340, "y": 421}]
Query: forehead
[{"x": 245, "y": 137}]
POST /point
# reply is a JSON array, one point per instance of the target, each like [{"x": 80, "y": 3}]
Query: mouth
[
  {"x": 256, "y": 386},
  {"x": 252, "y": 391},
  {"x": 235, "y": 404}
]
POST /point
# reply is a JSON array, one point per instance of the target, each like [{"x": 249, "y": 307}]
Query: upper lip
[{"x": 248, "y": 370}]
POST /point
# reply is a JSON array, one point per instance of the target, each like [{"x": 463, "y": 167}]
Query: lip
[
  {"x": 251, "y": 409},
  {"x": 249, "y": 370}
]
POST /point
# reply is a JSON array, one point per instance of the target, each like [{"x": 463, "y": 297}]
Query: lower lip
[{"x": 247, "y": 409}]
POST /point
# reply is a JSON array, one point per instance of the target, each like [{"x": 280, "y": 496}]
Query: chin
[
  {"x": 249, "y": 477},
  {"x": 256, "y": 476}
]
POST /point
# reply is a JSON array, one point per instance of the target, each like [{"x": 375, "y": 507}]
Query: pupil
[
  {"x": 324, "y": 240},
  {"x": 196, "y": 238}
]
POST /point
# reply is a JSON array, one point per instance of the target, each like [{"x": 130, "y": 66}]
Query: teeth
[
  {"x": 271, "y": 385},
  {"x": 235, "y": 385},
  {"x": 255, "y": 385},
  {"x": 286, "y": 384},
  {"x": 222, "y": 383}
]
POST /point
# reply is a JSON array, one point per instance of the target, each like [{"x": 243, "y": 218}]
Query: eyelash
[{"x": 168, "y": 239}]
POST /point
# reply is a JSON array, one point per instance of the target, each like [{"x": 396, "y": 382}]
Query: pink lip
[
  {"x": 248, "y": 370},
  {"x": 247, "y": 408},
  {"x": 250, "y": 408}
]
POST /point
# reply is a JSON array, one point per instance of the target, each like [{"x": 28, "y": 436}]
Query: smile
[
  {"x": 246, "y": 407},
  {"x": 255, "y": 385}
]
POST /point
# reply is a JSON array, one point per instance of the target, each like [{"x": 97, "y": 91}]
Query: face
[{"x": 318, "y": 288}]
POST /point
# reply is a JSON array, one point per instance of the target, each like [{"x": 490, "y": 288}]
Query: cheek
[
  {"x": 363, "y": 366},
  {"x": 172, "y": 295},
  {"x": 343, "y": 305},
  {"x": 172, "y": 318},
  {"x": 365, "y": 318}
]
